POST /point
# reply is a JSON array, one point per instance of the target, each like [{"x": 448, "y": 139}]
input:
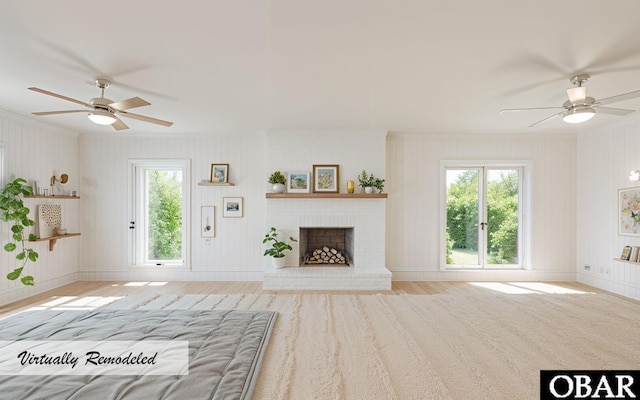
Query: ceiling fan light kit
[
  {"x": 104, "y": 111},
  {"x": 577, "y": 115},
  {"x": 580, "y": 107},
  {"x": 102, "y": 118}
]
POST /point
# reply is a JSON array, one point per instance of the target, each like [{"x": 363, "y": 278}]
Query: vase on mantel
[
  {"x": 278, "y": 188},
  {"x": 368, "y": 189},
  {"x": 351, "y": 185}
]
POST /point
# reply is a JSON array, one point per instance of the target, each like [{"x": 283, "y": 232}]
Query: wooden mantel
[{"x": 326, "y": 196}]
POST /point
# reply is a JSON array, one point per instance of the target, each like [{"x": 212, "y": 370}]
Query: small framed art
[
  {"x": 299, "y": 182},
  {"x": 232, "y": 207},
  {"x": 219, "y": 173},
  {"x": 629, "y": 211},
  {"x": 208, "y": 221},
  {"x": 326, "y": 178}
]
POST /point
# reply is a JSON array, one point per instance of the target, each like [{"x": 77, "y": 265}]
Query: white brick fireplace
[
  {"x": 353, "y": 151},
  {"x": 366, "y": 216}
]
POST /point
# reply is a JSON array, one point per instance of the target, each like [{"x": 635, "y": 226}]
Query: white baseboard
[
  {"x": 19, "y": 291},
  {"x": 485, "y": 275},
  {"x": 153, "y": 274}
]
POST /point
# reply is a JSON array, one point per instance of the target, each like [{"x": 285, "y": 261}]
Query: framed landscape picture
[
  {"x": 325, "y": 178},
  {"x": 299, "y": 182},
  {"x": 219, "y": 173},
  {"x": 232, "y": 207},
  {"x": 629, "y": 211}
]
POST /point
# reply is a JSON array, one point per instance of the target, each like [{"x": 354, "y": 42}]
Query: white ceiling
[{"x": 238, "y": 66}]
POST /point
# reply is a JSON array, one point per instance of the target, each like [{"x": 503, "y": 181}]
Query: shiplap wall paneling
[
  {"x": 414, "y": 168},
  {"x": 33, "y": 150}
]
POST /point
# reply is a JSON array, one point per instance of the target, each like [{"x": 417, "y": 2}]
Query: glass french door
[{"x": 483, "y": 217}]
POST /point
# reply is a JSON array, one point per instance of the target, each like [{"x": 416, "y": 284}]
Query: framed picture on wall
[
  {"x": 219, "y": 173},
  {"x": 207, "y": 221},
  {"x": 232, "y": 207},
  {"x": 629, "y": 211},
  {"x": 299, "y": 182},
  {"x": 326, "y": 178}
]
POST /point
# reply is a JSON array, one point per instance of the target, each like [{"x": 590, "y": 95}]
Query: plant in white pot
[
  {"x": 370, "y": 182},
  {"x": 278, "y": 247},
  {"x": 278, "y": 180}
]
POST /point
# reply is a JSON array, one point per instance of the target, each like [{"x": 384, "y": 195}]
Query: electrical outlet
[{"x": 587, "y": 267}]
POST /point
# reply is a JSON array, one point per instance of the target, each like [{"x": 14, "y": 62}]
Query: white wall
[
  {"x": 410, "y": 164},
  {"x": 605, "y": 157},
  {"x": 236, "y": 251},
  {"x": 413, "y": 176},
  {"x": 33, "y": 151}
]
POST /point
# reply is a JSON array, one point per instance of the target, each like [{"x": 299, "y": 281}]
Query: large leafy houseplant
[
  {"x": 278, "y": 247},
  {"x": 14, "y": 212}
]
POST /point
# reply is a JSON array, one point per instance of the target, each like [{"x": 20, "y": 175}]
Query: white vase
[
  {"x": 368, "y": 190},
  {"x": 278, "y": 262},
  {"x": 278, "y": 188}
]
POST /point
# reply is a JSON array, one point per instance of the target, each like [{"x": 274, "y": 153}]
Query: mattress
[{"x": 225, "y": 349}]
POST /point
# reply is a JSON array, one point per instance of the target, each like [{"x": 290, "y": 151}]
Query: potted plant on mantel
[
  {"x": 278, "y": 248},
  {"x": 14, "y": 212},
  {"x": 369, "y": 182},
  {"x": 278, "y": 180}
]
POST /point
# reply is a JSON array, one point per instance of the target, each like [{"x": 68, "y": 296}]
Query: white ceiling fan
[
  {"x": 103, "y": 111},
  {"x": 580, "y": 107}
]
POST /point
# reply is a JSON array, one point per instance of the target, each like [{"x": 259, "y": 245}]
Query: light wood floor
[{"x": 88, "y": 290}]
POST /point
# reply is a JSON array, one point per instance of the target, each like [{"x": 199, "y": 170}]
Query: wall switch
[{"x": 587, "y": 267}]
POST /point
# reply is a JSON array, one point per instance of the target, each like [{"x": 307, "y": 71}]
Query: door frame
[{"x": 525, "y": 204}]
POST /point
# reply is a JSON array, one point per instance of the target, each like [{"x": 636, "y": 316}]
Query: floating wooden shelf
[
  {"x": 627, "y": 261},
  {"x": 39, "y": 196},
  {"x": 326, "y": 196},
  {"x": 53, "y": 239},
  {"x": 215, "y": 184}
]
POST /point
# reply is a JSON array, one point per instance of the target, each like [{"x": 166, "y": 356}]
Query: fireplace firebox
[{"x": 326, "y": 246}]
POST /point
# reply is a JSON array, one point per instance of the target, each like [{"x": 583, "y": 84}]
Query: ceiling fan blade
[
  {"x": 577, "y": 94},
  {"x": 119, "y": 125},
  {"x": 531, "y": 109},
  {"x": 613, "y": 111},
  {"x": 82, "y": 103},
  {"x": 145, "y": 119},
  {"x": 40, "y": 113},
  {"x": 129, "y": 103},
  {"x": 546, "y": 119},
  {"x": 620, "y": 97}
]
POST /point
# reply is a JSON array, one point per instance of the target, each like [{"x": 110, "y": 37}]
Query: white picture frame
[
  {"x": 299, "y": 182},
  {"x": 232, "y": 207}
]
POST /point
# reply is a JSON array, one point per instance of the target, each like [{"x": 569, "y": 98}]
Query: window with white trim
[{"x": 160, "y": 212}]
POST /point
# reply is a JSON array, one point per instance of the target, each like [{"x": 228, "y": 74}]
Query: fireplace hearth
[{"x": 354, "y": 225}]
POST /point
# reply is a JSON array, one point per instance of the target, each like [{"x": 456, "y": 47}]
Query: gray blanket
[{"x": 225, "y": 351}]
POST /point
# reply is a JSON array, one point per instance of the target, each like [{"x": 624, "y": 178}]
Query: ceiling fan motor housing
[{"x": 101, "y": 103}]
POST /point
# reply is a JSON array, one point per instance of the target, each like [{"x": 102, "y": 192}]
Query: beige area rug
[{"x": 480, "y": 344}]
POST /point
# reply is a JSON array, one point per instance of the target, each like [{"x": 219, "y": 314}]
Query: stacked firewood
[{"x": 326, "y": 255}]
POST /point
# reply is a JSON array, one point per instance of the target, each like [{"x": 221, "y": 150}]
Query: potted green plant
[
  {"x": 278, "y": 180},
  {"x": 367, "y": 181},
  {"x": 14, "y": 212},
  {"x": 278, "y": 247},
  {"x": 379, "y": 184}
]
